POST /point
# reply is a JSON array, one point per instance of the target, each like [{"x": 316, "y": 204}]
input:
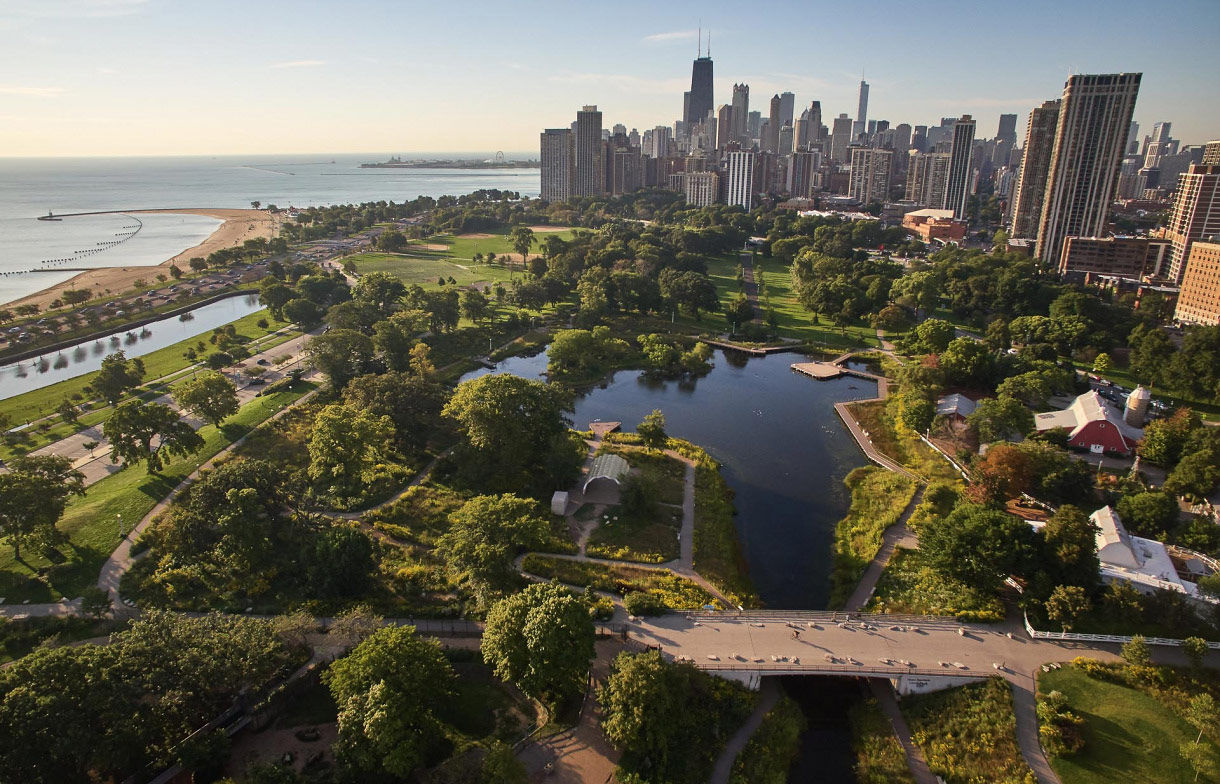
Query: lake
[{"x": 781, "y": 447}]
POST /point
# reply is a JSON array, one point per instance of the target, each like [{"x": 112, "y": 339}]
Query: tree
[
  {"x": 1103, "y": 364},
  {"x": 353, "y": 626},
  {"x": 1151, "y": 514},
  {"x": 274, "y": 295},
  {"x": 95, "y": 602},
  {"x": 1071, "y": 542},
  {"x": 219, "y": 359},
  {"x": 1135, "y": 653},
  {"x": 347, "y": 445},
  {"x": 397, "y": 335},
  {"x": 978, "y": 546},
  {"x": 380, "y": 290},
  {"x": 342, "y": 354},
  {"x": 1164, "y": 439},
  {"x": 412, "y": 403},
  {"x": 117, "y": 375},
  {"x": 652, "y": 430},
  {"x": 1195, "y": 648},
  {"x": 1066, "y": 604},
  {"x": 209, "y": 396},
  {"x": 692, "y": 291},
  {"x": 1194, "y": 476},
  {"x": 67, "y": 411},
  {"x": 484, "y": 536},
  {"x": 1031, "y": 388},
  {"x": 934, "y": 335},
  {"x": 135, "y": 426},
  {"x": 304, "y": 312},
  {"x": 339, "y": 562},
  {"x": 391, "y": 241},
  {"x": 522, "y": 238},
  {"x": 917, "y": 412},
  {"x": 967, "y": 362},
  {"x": 420, "y": 362},
  {"x": 33, "y": 494},
  {"x": 541, "y": 640},
  {"x": 387, "y": 690},
  {"x": 475, "y": 306},
  {"x": 501, "y": 766}
]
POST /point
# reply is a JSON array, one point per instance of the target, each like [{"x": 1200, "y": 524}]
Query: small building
[
  {"x": 956, "y": 406},
  {"x": 1145, "y": 564},
  {"x": 1092, "y": 424},
  {"x": 604, "y": 480},
  {"x": 931, "y": 225}
]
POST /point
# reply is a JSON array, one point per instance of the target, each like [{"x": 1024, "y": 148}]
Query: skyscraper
[
  {"x": 588, "y": 164},
  {"x": 861, "y": 111},
  {"x": 556, "y": 163},
  {"x": 815, "y": 121},
  {"x": 961, "y": 166},
  {"x": 869, "y": 177},
  {"x": 771, "y": 143},
  {"x": 1195, "y": 216},
  {"x": 1094, "y": 119},
  {"x": 700, "y": 88},
  {"x": 800, "y": 173},
  {"x": 927, "y": 176},
  {"x": 840, "y": 137},
  {"x": 741, "y": 111},
  {"x": 787, "y": 105},
  {"x": 660, "y": 140},
  {"x": 724, "y": 125},
  {"x": 1007, "y": 129},
  {"x": 741, "y": 180},
  {"x": 1035, "y": 165},
  {"x": 1160, "y": 144}
]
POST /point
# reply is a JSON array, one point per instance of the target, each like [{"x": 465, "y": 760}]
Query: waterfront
[{"x": 55, "y": 366}]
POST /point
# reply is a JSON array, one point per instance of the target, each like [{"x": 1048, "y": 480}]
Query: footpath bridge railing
[{"x": 1114, "y": 638}]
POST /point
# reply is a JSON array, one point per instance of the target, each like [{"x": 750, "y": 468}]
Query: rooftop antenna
[
  {"x": 699, "y": 44},
  {"x": 709, "y": 43}
]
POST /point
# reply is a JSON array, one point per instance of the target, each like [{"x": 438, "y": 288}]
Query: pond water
[
  {"x": 86, "y": 357},
  {"x": 781, "y": 446}
]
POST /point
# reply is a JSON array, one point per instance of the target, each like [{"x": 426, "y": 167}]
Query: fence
[
  {"x": 945, "y": 455},
  {"x": 1117, "y": 638}
]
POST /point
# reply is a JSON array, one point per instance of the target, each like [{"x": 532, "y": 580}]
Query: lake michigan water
[{"x": 33, "y": 253}]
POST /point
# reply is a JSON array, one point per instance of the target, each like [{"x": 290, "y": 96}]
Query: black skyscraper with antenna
[{"x": 700, "y": 85}]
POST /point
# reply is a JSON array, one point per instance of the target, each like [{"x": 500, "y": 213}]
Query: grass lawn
[
  {"x": 91, "y": 521},
  {"x": 162, "y": 362},
  {"x": 644, "y": 538},
  {"x": 498, "y": 242},
  {"x": 907, "y": 450},
  {"x": 879, "y": 756},
  {"x": 426, "y": 267},
  {"x": 1128, "y": 735},
  {"x": 908, "y": 585},
  {"x": 878, "y": 498},
  {"x": 969, "y": 733},
  {"x": 678, "y": 593}
]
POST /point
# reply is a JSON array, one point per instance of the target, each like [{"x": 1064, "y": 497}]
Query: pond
[
  {"x": 781, "y": 446},
  {"x": 86, "y": 357}
]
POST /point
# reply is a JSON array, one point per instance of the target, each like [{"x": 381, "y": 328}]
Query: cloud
[
  {"x": 40, "y": 92},
  {"x": 676, "y": 35},
  {"x": 299, "y": 64}
]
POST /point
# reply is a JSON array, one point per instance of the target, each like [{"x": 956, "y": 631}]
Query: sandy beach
[{"x": 239, "y": 225}]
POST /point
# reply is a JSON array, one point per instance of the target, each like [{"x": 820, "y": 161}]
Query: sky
[{"x": 181, "y": 77}]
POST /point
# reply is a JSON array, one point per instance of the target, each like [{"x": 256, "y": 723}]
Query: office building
[
  {"x": 661, "y": 136},
  {"x": 1158, "y": 145},
  {"x": 588, "y": 164},
  {"x": 787, "y": 105},
  {"x": 1007, "y": 129},
  {"x": 1133, "y": 139},
  {"x": 816, "y": 129},
  {"x": 785, "y": 140},
  {"x": 869, "y": 177},
  {"x": 556, "y": 164},
  {"x": 1196, "y": 215},
  {"x": 1035, "y": 164},
  {"x": 741, "y": 112},
  {"x": 1094, "y": 118},
  {"x": 961, "y": 167},
  {"x": 800, "y": 132},
  {"x": 770, "y": 142},
  {"x": 740, "y": 188},
  {"x": 801, "y": 170},
  {"x": 932, "y": 225},
  {"x": 927, "y": 178},
  {"x": 1199, "y": 300},
  {"x": 919, "y": 138},
  {"x": 701, "y": 188},
  {"x": 1211, "y": 154},
  {"x": 840, "y": 138},
  {"x": 753, "y": 125},
  {"x": 724, "y": 126},
  {"x": 861, "y": 123},
  {"x": 1120, "y": 257},
  {"x": 700, "y": 90}
]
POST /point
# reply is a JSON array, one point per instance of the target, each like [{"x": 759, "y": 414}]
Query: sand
[
  {"x": 475, "y": 236},
  {"x": 548, "y": 229},
  {"x": 431, "y": 246},
  {"x": 239, "y": 225}
]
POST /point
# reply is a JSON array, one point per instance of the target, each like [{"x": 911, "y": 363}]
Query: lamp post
[{"x": 122, "y": 532}]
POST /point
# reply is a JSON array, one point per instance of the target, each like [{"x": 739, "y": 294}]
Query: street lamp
[{"x": 122, "y": 532}]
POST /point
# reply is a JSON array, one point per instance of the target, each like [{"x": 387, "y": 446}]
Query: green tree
[
  {"x": 95, "y": 602},
  {"x": 1152, "y": 514},
  {"x": 1031, "y": 389},
  {"x": 1194, "y": 477},
  {"x": 391, "y": 241},
  {"x": 379, "y": 290},
  {"x": 522, "y": 238},
  {"x": 967, "y": 362},
  {"x": 541, "y": 640},
  {"x": 934, "y": 335},
  {"x": 1135, "y": 653},
  {"x": 1066, "y": 604},
  {"x": 342, "y": 354},
  {"x": 652, "y": 430},
  {"x": 117, "y": 375},
  {"x": 412, "y": 403},
  {"x": 275, "y": 295},
  {"x": 33, "y": 494},
  {"x": 475, "y": 306},
  {"x": 484, "y": 536},
  {"x": 304, "y": 312},
  {"x": 1195, "y": 648},
  {"x": 387, "y": 690},
  {"x": 1071, "y": 542},
  {"x": 1103, "y": 364},
  {"x": 917, "y": 412},
  {"x": 347, "y": 445},
  {"x": 209, "y": 396},
  {"x": 501, "y": 766},
  {"x": 68, "y": 412},
  {"x": 1164, "y": 439},
  {"x": 135, "y": 426},
  {"x": 978, "y": 546},
  {"x": 397, "y": 335}
]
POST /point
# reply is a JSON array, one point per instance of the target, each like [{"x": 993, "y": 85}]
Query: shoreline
[{"x": 238, "y": 226}]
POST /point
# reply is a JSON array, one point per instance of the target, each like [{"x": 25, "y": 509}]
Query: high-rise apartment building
[
  {"x": 861, "y": 112},
  {"x": 961, "y": 167},
  {"x": 661, "y": 136},
  {"x": 741, "y": 111},
  {"x": 588, "y": 160},
  {"x": 1199, "y": 300},
  {"x": 1094, "y": 118},
  {"x": 700, "y": 91},
  {"x": 701, "y": 188},
  {"x": 927, "y": 178},
  {"x": 556, "y": 164},
  {"x": 1195, "y": 216},
  {"x": 740, "y": 171},
  {"x": 1158, "y": 145},
  {"x": 869, "y": 177},
  {"x": 840, "y": 138},
  {"x": 1035, "y": 165},
  {"x": 1211, "y": 154},
  {"x": 800, "y": 173},
  {"x": 724, "y": 125}
]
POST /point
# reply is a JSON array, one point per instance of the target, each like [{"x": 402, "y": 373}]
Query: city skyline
[{"x": 122, "y": 77}]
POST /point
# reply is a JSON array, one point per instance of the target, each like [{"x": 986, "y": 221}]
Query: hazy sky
[{"x": 156, "y": 77}]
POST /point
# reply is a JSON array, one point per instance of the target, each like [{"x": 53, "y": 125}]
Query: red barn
[{"x": 1092, "y": 424}]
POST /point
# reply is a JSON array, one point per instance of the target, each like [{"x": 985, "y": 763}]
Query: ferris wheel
[{"x": 499, "y": 156}]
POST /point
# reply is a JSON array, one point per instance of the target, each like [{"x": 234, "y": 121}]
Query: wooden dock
[
  {"x": 821, "y": 370},
  {"x": 600, "y": 429}
]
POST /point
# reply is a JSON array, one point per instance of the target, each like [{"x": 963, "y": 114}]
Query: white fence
[{"x": 1119, "y": 638}]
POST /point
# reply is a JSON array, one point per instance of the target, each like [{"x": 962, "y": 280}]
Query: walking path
[
  {"x": 884, "y": 692},
  {"x": 769, "y": 694},
  {"x": 748, "y": 283},
  {"x": 896, "y": 534},
  {"x": 1025, "y": 709}
]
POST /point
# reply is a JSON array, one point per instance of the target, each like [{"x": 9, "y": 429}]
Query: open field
[
  {"x": 425, "y": 268},
  {"x": 91, "y": 521},
  {"x": 1128, "y": 735}
]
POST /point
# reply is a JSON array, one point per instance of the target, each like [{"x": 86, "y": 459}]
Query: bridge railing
[
  {"x": 822, "y": 616},
  {"x": 822, "y": 668},
  {"x": 1116, "y": 638}
]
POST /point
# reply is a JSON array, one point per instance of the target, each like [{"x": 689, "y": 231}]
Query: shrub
[{"x": 641, "y": 603}]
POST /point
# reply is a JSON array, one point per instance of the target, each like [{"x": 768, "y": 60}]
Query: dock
[{"x": 818, "y": 369}]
